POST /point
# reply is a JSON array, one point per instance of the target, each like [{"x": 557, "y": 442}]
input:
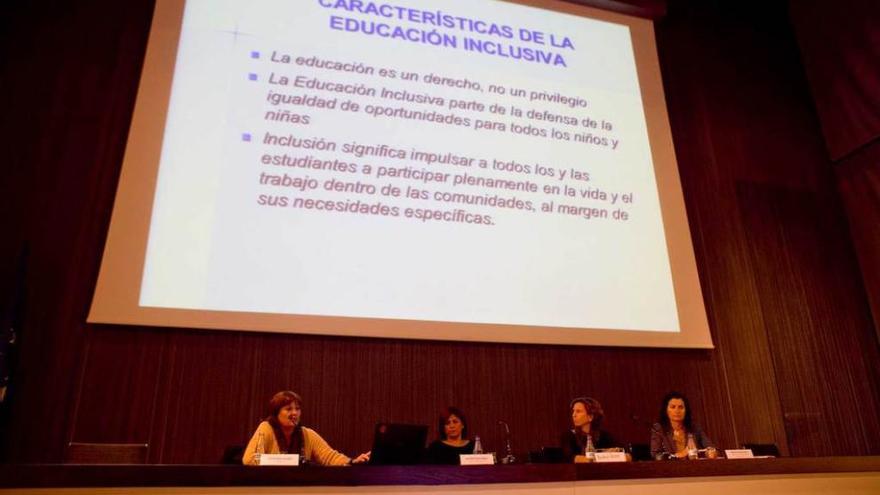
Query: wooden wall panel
[
  {"x": 858, "y": 179},
  {"x": 840, "y": 46},
  {"x": 840, "y": 42},
  {"x": 740, "y": 113},
  {"x": 709, "y": 125},
  {"x": 212, "y": 388},
  {"x": 68, "y": 81},
  {"x": 828, "y": 383},
  {"x": 116, "y": 398}
]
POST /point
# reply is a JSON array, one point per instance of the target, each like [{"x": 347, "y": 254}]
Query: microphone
[{"x": 509, "y": 458}]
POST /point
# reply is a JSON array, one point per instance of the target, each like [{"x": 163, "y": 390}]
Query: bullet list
[{"x": 246, "y": 136}]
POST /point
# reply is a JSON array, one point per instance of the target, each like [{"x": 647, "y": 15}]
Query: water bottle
[
  {"x": 478, "y": 447},
  {"x": 590, "y": 449},
  {"x": 691, "y": 447},
  {"x": 258, "y": 449}
]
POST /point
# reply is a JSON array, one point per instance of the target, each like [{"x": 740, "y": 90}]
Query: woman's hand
[
  {"x": 365, "y": 457},
  {"x": 681, "y": 454}
]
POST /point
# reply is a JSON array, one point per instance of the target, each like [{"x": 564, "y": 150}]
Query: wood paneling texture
[
  {"x": 840, "y": 43},
  {"x": 800, "y": 248},
  {"x": 740, "y": 113},
  {"x": 69, "y": 79},
  {"x": 840, "y": 46},
  {"x": 858, "y": 179}
]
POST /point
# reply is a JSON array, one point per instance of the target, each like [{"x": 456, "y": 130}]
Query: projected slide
[{"x": 452, "y": 163}]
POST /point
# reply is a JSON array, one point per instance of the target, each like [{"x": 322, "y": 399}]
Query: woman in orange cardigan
[{"x": 282, "y": 433}]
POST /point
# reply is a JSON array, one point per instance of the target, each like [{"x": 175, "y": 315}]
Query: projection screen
[{"x": 458, "y": 170}]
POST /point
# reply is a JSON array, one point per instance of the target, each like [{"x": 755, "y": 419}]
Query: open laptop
[{"x": 395, "y": 444}]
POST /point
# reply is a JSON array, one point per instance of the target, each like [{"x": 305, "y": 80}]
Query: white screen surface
[{"x": 432, "y": 168}]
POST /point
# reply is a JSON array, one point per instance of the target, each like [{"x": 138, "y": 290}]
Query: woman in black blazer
[
  {"x": 586, "y": 419},
  {"x": 669, "y": 435}
]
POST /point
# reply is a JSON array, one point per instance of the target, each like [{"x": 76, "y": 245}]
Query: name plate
[
  {"x": 610, "y": 457},
  {"x": 477, "y": 459},
  {"x": 279, "y": 460},
  {"x": 739, "y": 454}
]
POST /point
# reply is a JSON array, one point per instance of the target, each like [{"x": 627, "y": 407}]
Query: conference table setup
[{"x": 852, "y": 475}]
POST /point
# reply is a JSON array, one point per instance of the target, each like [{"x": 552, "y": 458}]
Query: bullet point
[
  {"x": 255, "y": 54},
  {"x": 252, "y": 76},
  {"x": 246, "y": 137}
]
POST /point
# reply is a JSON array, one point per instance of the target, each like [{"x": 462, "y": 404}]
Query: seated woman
[
  {"x": 282, "y": 433},
  {"x": 453, "y": 432},
  {"x": 669, "y": 435},
  {"x": 586, "y": 417}
]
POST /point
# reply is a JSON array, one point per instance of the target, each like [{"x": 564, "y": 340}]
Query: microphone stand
[{"x": 509, "y": 458}]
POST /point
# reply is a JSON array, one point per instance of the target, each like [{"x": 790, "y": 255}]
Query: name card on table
[
  {"x": 279, "y": 460},
  {"x": 477, "y": 459},
  {"x": 610, "y": 457},
  {"x": 739, "y": 454}
]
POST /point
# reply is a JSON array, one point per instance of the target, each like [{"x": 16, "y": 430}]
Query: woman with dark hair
[
  {"x": 586, "y": 419},
  {"x": 282, "y": 433},
  {"x": 453, "y": 438},
  {"x": 669, "y": 435}
]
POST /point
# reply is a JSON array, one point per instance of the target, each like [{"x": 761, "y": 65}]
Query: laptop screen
[{"x": 395, "y": 443}]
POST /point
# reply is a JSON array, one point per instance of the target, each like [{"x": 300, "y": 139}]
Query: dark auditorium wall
[
  {"x": 840, "y": 45},
  {"x": 772, "y": 242},
  {"x": 796, "y": 357},
  {"x": 858, "y": 178}
]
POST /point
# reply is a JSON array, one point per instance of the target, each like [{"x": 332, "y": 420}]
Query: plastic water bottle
[
  {"x": 478, "y": 447},
  {"x": 691, "y": 447},
  {"x": 590, "y": 449},
  {"x": 258, "y": 449}
]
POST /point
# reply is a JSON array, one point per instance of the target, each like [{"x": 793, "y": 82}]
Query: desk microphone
[{"x": 509, "y": 458}]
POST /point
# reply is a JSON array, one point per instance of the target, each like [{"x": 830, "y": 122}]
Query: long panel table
[{"x": 853, "y": 475}]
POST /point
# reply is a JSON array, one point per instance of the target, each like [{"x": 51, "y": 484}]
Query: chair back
[
  {"x": 640, "y": 452},
  {"x": 232, "y": 454},
  {"x": 106, "y": 453}
]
